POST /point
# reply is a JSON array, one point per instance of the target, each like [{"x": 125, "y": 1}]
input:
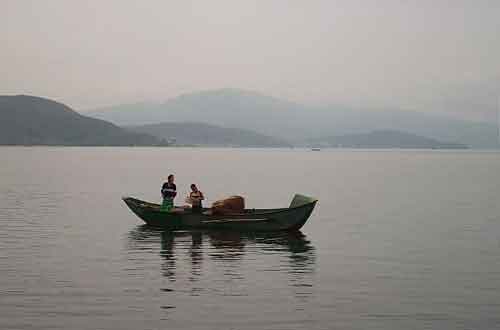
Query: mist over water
[{"x": 399, "y": 239}]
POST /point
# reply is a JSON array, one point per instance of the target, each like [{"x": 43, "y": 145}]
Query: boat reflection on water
[{"x": 226, "y": 257}]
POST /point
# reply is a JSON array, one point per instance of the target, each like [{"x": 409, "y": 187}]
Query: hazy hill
[
  {"x": 295, "y": 122},
  {"x": 224, "y": 107},
  {"x": 209, "y": 135},
  {"x": 29, "y": 120},
  {"x": 384, "y": 139}
]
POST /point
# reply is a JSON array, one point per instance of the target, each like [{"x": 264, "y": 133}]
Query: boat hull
[{"x": 284, "y": 219}]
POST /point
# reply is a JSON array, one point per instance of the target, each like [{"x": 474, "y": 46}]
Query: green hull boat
[{"x": 283, "y": 219}]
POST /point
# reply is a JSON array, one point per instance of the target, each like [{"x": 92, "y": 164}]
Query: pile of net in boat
[{"x": 230, "y": 205}]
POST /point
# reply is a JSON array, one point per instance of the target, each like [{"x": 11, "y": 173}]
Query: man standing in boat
[{"x": 168, "y": 192}]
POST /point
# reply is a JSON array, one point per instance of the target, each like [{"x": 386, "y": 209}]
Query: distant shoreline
[{"x": 256, "y": 148}]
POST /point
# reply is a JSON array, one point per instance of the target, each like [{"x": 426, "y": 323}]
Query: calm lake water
[{"x": 399, "y": 240}]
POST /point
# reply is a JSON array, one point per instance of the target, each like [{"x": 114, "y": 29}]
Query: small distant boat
[
  {"x": 316, "y": 149},
  {"x": 291, "y": 218}
]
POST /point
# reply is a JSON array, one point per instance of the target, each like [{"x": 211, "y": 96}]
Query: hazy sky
[{"x": 410, "y": 54}]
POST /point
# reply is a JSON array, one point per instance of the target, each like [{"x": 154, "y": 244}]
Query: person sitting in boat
[
  {"x": 168, "y": 192},
  {"x": 195, "y": 197}
]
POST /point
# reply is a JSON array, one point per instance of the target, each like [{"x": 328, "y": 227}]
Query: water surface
[{"x": 399, "y": 240}]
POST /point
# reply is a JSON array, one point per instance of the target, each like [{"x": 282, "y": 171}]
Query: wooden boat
[{"x": 282, "y": 219}]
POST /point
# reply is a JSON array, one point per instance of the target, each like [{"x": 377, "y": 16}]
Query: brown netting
[{"x": 230, "y": 205}]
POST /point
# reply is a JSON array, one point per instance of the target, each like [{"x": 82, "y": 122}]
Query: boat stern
[{"x": 301, "y": 200}]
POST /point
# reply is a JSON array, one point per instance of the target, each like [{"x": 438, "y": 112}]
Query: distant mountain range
[
  {"x": 209, "y": 135},
  {"x": 294, "y": 122},
  {"x": 384, "y": 139},
  {"x": 29, "y": 120}
]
